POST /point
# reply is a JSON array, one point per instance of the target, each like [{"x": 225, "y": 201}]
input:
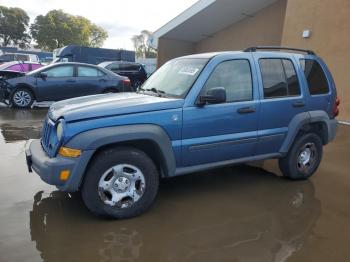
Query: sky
[{"x": 121, "y": 18}]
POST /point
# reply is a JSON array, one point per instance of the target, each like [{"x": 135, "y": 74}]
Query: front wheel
[
  {"x": 303, "y": 158},
  {"x": 22, "y": 98},
  {"x": 120, "y": 183}
]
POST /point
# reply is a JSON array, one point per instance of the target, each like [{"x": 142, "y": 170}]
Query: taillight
[
  {"x": 126, "y": 83},
  {"x": 336, "y": 107}
]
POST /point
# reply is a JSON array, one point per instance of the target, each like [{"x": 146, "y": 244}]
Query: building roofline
[
  {"x": 206, "y": 17},
  {"x": 179, "y": 19}
]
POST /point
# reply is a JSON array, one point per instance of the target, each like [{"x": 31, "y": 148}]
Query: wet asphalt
[{"x": 240, "y": 213}]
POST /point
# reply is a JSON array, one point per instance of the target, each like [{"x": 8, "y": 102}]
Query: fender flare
[
  {"x": 92, "y": 140},
  {"x": 304, "y": 118}
]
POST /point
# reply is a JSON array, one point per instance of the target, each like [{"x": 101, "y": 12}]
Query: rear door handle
[
  {"x": 246, "y": 110},
  {"x": 299, "y": 104}
]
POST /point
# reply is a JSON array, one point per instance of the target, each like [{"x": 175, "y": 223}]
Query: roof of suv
[
  {"x": 273, "y": 50},
  {"x": 214, "y": 54}
]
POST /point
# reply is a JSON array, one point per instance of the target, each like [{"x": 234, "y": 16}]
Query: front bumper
[
  {"x": 4, "y": 93},
  {"x": 49, "y": 168}
]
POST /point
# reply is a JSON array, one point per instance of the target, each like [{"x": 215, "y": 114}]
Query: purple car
[{"x": 16, "y": 68}]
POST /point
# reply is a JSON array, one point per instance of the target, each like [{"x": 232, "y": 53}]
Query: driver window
[
  {"x": 60, "y": 71},
  {"x": 235, "y": 76}
]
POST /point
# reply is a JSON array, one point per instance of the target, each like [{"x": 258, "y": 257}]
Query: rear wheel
[
  {"x": 303, "y": 158},
  {"x": 22, "y": 98},
  {"x": 120, "y": 183}
]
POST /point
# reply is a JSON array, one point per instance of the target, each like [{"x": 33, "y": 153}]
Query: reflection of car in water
[{"x": 215, "y": 221}]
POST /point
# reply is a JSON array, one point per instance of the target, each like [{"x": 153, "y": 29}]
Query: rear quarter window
[{"x": 315, "y": 77}]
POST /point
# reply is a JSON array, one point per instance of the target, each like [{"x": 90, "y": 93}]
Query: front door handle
[
  {"x": 299, "y": 104},
  {"x": 246, "y": 110}
]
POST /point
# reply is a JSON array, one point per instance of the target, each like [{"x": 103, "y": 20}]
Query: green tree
[
  {"x": 97, "y": 36},
  {"x": 13, "y": 27},
  {"x": 57, "y": 29},
  {"x": 142, "y": 45}
]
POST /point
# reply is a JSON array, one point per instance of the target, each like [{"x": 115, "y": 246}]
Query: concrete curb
[{"x": 344, "y": 123}]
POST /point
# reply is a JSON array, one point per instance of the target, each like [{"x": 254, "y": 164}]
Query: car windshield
[{"x": 176, "y": 77}]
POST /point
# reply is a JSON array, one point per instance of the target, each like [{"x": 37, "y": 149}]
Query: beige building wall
[
  {"x": 329, "y": 22},
  {"x": 263, "y": 28},
  {"x": 170, "y": 48},
  {"x": 283, "y": 23}
]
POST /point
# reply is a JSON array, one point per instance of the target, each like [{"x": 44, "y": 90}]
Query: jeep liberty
[{"x": 194, "y": 113}]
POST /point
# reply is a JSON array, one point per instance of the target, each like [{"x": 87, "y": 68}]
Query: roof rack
[{"x": 255, "y": 48}]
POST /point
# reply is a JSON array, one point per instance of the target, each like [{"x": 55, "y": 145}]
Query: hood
[{"x": 110, "y": 105}]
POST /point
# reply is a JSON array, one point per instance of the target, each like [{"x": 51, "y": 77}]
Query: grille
[{"x": 46, "y": 135}]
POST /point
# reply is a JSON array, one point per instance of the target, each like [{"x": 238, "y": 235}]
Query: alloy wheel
[
  {"x": 22, "y": 98},
  {"x": 121, "y": 186},
  {"x": 307, "y": 158}
]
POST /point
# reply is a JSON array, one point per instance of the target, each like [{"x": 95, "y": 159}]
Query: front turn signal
[{"x": 69, "y": 152}]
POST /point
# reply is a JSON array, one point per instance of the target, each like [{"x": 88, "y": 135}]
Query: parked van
[{"x": 91, "y": 55}]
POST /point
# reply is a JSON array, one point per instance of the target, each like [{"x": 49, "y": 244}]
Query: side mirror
[
  {"x": 43, "y": 75},
  {"x": 215, "y": 95}
]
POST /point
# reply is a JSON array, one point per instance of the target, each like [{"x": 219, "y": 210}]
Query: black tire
[
  {"x": 291, "y": 166},
  {"x": 26, "y": 93},
  {"x": 102, "y": 163}
]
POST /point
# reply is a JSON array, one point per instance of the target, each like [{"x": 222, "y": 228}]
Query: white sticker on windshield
[{"x": 189, "y": 71}]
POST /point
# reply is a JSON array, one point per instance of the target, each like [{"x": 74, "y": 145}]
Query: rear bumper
[
  {"x": 49, "y": 169},
  {"x": 332, "y": 129}
]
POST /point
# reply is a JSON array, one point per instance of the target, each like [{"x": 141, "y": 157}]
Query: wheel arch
[
  {"x": 314, "y": 121},
  {"x": 151, "y": 139},
  {"x": 26, "y": 86}
]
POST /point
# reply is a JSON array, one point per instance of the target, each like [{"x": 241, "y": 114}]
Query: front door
[
  {"x": 59, "y": 82},
  {"x": 226, "y": 131}
]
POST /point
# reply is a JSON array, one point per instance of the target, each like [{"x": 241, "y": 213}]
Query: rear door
[
  {"x": 226, "y": 131},
  {"x": 89, "y": 81},
  {"x": 281, "y": 99},
  {"x": 58, "y": 84}
]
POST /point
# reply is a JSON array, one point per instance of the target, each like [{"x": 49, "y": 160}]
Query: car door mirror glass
[{"x": 214, "y": 95}]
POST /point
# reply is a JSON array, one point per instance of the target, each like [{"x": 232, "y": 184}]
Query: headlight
[{"x": 60, "y": 130}]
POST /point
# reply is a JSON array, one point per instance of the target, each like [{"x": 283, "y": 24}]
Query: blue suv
[{"x": 195, "y": 113}]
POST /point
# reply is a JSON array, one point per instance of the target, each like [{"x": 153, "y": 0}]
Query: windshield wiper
[
  {"x": 160, "y": 93},
  {"x": 157, "y": 91}
]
